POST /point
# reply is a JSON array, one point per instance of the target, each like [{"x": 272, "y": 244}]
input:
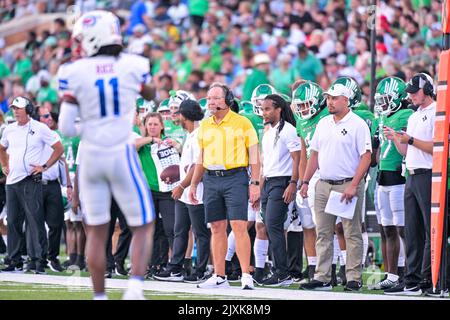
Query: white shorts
[
  {"x": 69, "y": 215},
  {"x": 293, "y": 222},
  {"x": 391, "y": 206},
  {"x": 305, "y": 212},
  {"x": 251, "y": 213},
  {"x": 114, "y": 172}
]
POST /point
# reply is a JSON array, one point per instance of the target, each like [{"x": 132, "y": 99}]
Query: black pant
[
  {"x": 160, "y": 255},
  {"x": 54, "y": 216},
  {"x": 165, "y": 206},
  {"x": 295, "y": 252},
  {"x": 274, "y": 211},
  {"x": 417, "y": 228},
  {"x": 124, "y": 241},
  {"x": 185, "y": 215},
  {"x": 24, "y": 201}
]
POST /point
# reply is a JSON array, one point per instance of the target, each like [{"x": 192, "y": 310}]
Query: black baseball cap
[
  {"x": 191, "y": 110},
  {"x": 416, "y": 83}
]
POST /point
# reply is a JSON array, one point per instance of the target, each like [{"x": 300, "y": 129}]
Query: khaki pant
[{"x": 325, "y": 224}]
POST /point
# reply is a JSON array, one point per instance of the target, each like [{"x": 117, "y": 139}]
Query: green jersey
[
  {"x": 366, "y": 115},
  {"x": 257, "y": 123},
  {"x": 70, "y": 145},
  {"x": 171, "y": 130},
  {"x": 390, "y": 158},
  {"x": 306, "y": 128}
]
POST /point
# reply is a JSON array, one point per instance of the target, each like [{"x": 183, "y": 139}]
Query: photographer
[{"x": 25, "y": 141}]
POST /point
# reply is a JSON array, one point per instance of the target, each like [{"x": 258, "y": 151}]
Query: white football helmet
[
  {"x": 96, "y": 29},
  {"x": 179, "y": 96}
]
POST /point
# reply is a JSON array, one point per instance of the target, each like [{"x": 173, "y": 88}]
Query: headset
[
  {"x": 426, "y": 83},
  {"x": 229, "y": 96},
  {"x": 29, "y": 108}
]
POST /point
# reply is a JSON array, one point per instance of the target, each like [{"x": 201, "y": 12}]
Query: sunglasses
[{"x": 45, "y": 116}]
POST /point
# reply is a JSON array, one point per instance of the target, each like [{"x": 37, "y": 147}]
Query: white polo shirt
[
  {"x": 189, "y": 157},
  {"x": 420, "y": 126},
  {"x": 340, "y": 145},
  {"x": 53, "y": 172},
  {"x": 277, "y": 160},
  {"x": 25, "y": 145}
]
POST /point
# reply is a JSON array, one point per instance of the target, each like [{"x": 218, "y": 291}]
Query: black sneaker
[
  {"x": 278, "y": 280},
  {"x": 120, "y": 270},
  {"x": 40, "y": 269},
  {"x": 14, "y": 268},
  {"x": 316, "y": 285},
  {"x": 407, "y": 291},
  {"x": 151, "y": 272},
  {"x": 55, "y": 266},
  {"x": 30, "y": 266},
  {"x": 353, "y": 285},
  {"x": 187, "y": 267},
  {"x": 258, "y": 276},
  {"x": 296, "y": 277},
  {"x": 169, "y": 275},
  {"x": 311, "y": 271},
  {"x": 341, "y": 277},
  {"x": 108, "y": 273},
  {"x": 234, "y": 277},
  {"x": 425, "y": 284},
  {"x": 67, "y": 263},
  {"x": 196, "y": 277},
  {"x": 437, "y": 293}
]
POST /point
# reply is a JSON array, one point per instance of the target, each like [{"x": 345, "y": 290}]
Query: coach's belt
[
  {"x": 225, "y": 173},
  {"x": 418, "y": 171},
  {"x": 337, "y": 182},
  {"x": 46, "y": 182}
]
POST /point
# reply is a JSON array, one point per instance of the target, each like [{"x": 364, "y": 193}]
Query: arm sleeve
[
  {"x": 49, "y": 137},
  {"x": 69, "y": 112},
  {"x": 291, "y": 139},
  {"x": 4, "y": 140},
  {"x": 251, "y": 138},
  {"x": 363, "y": 140},
  {"x": 314, "y": 143}
]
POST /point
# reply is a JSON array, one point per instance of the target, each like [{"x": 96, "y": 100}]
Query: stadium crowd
[{"x": 308, "y": 53}]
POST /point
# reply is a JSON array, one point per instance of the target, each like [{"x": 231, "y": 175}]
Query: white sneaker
[
  {"x": 214, "y": 282},
  {"x": 133, "y": 295},
  {"x": 247, "y": 282}
]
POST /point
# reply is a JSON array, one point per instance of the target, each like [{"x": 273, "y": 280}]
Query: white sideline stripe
[{"x": 261, "y": 293}]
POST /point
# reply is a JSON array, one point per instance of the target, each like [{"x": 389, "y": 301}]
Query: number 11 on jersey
[{"x": 114, "y": 83}]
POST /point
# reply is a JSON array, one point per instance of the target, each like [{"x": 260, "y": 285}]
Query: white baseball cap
[
  {"x": 261, "y": 58},
  {"x": 337, "y": 90},
  {"x": 20, "y": 102}
]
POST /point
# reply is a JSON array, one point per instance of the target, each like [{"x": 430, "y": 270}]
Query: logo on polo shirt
[
  {"x": 424, "y": 118},
  {"x": 344, "y": 132}
]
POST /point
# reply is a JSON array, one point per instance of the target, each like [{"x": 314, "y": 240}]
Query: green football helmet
[
  {"x": 286, "y": 97},
  {"x": 307, "y": 100},
  {"x": 351, "y": 83},
  {"x": 203, "y": 102},
  {"x": 258, "y": 95},
  {"x": 246, "y": 106},
  {"x": 143, "y": 106},
  {"x": 389, "y": 95}
]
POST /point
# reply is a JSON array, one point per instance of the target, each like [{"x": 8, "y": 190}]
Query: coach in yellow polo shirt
[{"x": 228, "y": 145}]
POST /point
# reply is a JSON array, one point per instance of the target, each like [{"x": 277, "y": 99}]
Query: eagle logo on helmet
[
  {"x": 351, "y": 83},
  {"x": 307, "y": 100},
  {"x": 389, "y": 95},
  {"x": 258, "y": 95}
]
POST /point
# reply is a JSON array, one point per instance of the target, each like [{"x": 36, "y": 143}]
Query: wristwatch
[
  {"x": 293, "y": 181},
  {"x": 411, "y": 141},
  {"x": 255, "y": 182},
  {"x": 44, "y": 166}
]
